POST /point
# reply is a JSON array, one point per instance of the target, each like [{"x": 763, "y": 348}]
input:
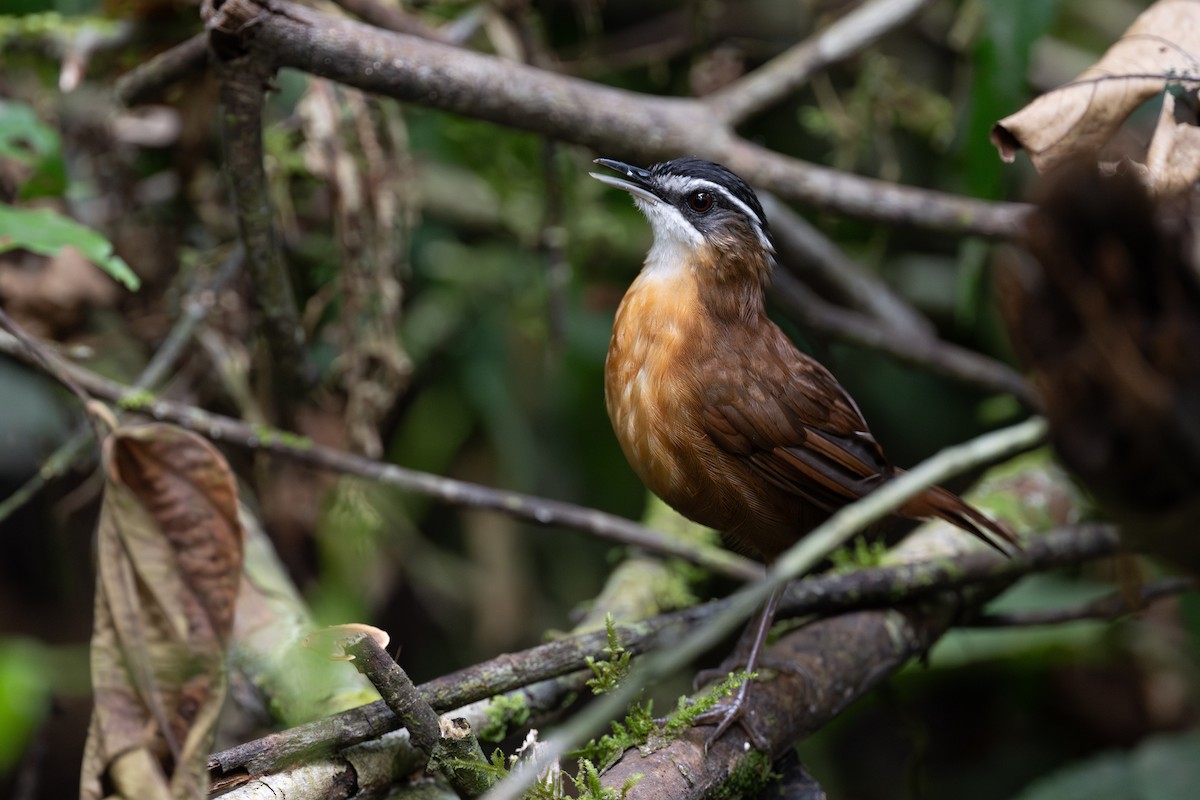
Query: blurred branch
[
  {"x": 1109, "y": 607},
  {"x": 623, "y": 123},
  {"x": 389, "y": 17},
  {"x": 149, "y": 79},
  {"x": 160, "y": 364},
  {"x": 36, "y": 352},
  {"x": 809, "y": 254},
  {"x": 244, "y": 78},
  {"x": 790, "y": 70},
  {"x": 820, "y": 594},
  {"x": 529, "y": 508},
  {"x": 935, "y": 355}
]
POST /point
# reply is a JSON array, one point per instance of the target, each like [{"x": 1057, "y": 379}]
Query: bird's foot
[
  {"x": 736, "y": 662},
  {"x": 726, "y": 713}
]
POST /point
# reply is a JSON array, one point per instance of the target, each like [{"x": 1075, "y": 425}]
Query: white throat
[{"x": 676, "y": 240}]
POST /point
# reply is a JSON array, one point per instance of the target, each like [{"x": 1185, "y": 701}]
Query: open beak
[{"x": 638, "y": 183}]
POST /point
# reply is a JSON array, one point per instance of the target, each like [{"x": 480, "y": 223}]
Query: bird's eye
[{"x": 700, "y": 202}]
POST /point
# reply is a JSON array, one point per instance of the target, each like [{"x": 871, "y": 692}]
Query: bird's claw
[{"x": 724, "y": 715}]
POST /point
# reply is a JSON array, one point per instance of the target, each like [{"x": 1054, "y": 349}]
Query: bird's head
[{"x": 701, "y": 213}]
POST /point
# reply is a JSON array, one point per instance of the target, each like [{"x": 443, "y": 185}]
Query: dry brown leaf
[
  {"x": 1161, "y": 46},
  {"x": 1173, "y": 160},
  {"x": 169, "y": 565}
]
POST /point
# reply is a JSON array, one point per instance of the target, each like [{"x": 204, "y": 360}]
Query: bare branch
[
  {"x": 528, "y": 508},
  {"x": 149, "y": 79},
  {"x": 809, "y": 254},
  {"x": 1108, "y": 607},
  {"x": 883, "y": 586},
  {"x": 789, "y": 71},
  {"x": 614, "y": 121},
  {"x": 396, "y": 689},
  {"x": 935, "y": 355},
  {"x": 244, "y": 80}
]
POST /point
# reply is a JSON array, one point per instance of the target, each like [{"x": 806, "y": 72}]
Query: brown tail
[{"x": 937, "y": 502}]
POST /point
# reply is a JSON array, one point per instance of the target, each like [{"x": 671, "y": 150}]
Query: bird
[{"x": 715, "y": 408}]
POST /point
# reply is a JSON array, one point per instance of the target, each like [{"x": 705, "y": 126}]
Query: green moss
[
  {"x": 136, "y": 400},
  {"x": 749, "y": 779},
  {"x": 504, "y": 711},
  {"x": 612, "y": 670},
  {"x": 269, "y": 435},
  {"x": 639, "y": 728},
  {"x": 859, "y": 554},
  {"x": 586, "y": 781}
]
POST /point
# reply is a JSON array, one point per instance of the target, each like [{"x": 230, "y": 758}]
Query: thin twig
[
  {"x": 932, "y": 354},
  {"x": 1108, "y": 607},
  {"x": 528, "y": 508},
  {"x": 390, "y": 18},
  {"x": 159, "y": 365},
  {"x": 810, "y": 254},
  {"x": 40, "y": 354},
  {"x": 149, "y": 79},
  {"x": 397, "y": 691},
  {"x": 789, "y": 71}
]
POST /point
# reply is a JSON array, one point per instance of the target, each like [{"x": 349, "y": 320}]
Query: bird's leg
[{"x": 725, "y": 714}]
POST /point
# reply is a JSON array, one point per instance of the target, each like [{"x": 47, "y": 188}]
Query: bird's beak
[{"x": 638, "y": 183}]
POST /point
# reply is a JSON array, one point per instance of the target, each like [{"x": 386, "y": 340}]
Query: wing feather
[{"x": 765, "y": 414}]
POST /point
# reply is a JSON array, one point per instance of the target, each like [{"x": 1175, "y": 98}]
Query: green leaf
[
  {"x": 1161, "y": 768},
  {"x": 47, "y": 232},
  {"x": 27, "y": 140}
]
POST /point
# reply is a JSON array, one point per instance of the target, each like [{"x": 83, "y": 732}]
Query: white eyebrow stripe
[{"x": 683, "y": 185}]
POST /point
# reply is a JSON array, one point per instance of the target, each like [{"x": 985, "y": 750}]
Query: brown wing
[{"x": 792, "y": 423}]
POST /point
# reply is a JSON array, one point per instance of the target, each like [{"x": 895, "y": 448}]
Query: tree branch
[
  {"x": 622, "y": 123},
  {"x": 935, "y": 355},
  {"x": 528, "y": 508},
  {"x": 149, "y": 79},
  {"x": 814, "y": 258},
  {"x": 244, "y": 77},
  {"x": 789, "y": 71},
  {"x": 1108, "y": 607},
  {"x": 800, "y": 557},
  {"x": 821, "y": 594}
]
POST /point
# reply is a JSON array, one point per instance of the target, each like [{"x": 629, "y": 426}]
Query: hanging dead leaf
[
  {"x": 1160, "y": 48},
  {"x": 169, "y": 564},
  {"x": 1173, "y": 160}
]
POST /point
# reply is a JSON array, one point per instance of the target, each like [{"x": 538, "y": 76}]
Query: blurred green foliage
[{"x": 499, "y": 395}]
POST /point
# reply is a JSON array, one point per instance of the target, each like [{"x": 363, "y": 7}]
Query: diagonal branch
[
  {"x": 928, "y": 352},
  {"x": 528, "y": 508},
  {"x": 823, "y": 594},
  {"x": 815, "y": 258},
  {"x": 622, "y": 123},
  {"x": 789, "y": 71},
  {"x": 800, "y": 557}
]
